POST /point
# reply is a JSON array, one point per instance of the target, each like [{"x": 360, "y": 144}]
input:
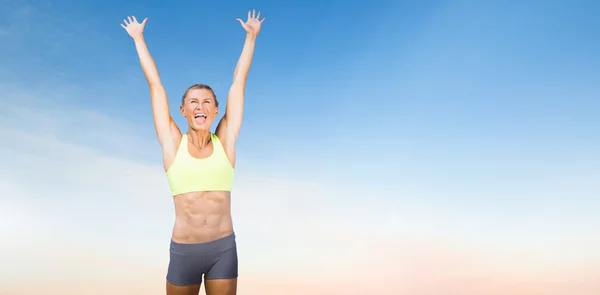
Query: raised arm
[
  {"x": 230, "y": 124},
  {"x": 166, "y": 129}
]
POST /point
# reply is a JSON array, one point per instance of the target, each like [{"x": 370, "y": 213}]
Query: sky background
[{"x": 397, "y": 147}]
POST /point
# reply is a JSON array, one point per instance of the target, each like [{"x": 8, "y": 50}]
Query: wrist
[
  {"x": 250, "y": 37},
  {"x": 139, "y": 38}
]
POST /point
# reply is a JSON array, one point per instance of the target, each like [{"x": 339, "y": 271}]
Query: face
[{"x": 199, "y": 108}]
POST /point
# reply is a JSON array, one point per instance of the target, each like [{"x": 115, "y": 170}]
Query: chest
[{"x": 200, "y": 152}]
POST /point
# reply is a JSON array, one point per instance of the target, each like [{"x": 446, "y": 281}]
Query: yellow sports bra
[{"x": 189, "y": 174}]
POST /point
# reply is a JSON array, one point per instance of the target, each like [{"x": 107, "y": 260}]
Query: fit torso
[
  {"x": 200, "y": 181},
  {"x": 202, "y": 217}
]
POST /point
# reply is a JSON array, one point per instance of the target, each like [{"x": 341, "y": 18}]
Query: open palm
[
  {"x": 133, "y": 27},
  {"x": 252, "y": 25}
]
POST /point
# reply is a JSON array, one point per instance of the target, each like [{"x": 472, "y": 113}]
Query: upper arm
[
  {"x": 230, "y": 125},
  {"x": 227, "y": 140},
  {"x": 234, "y": 111},
  {"x": 167, "y": 131}
]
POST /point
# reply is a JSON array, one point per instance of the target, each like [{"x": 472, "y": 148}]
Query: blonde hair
[{"x": 200, "y": 86}]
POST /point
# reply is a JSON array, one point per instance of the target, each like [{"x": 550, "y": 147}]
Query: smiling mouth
[{"x": 200, "y": 118}]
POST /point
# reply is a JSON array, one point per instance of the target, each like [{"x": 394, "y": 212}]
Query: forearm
[
  {"x": 243, "y": 65},
  {"x": 147, "y": 62},
  {"x": 158, "y": 96}
]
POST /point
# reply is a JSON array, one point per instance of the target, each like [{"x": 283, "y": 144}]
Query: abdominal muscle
[{"x": 202, "y": 217}]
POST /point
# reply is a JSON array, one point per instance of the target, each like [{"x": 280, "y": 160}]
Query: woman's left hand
[{"x": 252, "y": 25}]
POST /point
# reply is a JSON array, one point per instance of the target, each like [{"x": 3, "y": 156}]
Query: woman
[{"x": 200, "y": 169}]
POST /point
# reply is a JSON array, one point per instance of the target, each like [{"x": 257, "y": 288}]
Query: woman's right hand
[{"x": 133, "y": 28}]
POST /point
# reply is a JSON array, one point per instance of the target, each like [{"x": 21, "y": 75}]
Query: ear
[{"x": 182, "y": 110}]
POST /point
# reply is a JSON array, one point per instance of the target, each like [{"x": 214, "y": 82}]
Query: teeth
[{"x": 200, "y": 115}]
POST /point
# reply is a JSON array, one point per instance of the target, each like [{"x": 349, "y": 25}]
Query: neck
[{"x": 199, "y": 138}]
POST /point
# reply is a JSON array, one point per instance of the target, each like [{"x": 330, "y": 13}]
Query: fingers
[
  {"x": 264, "y": 17},
  {"x": 240, "y": 20},
  {"x": 131, "y": 19},
  {"x": 127, "y": 21},
  {"x": 252, "y": 14}
]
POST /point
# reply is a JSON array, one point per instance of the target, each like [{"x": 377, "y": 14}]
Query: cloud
[
  {"x": 79, "y": 203},
  {"x": 81, "y": 190}
]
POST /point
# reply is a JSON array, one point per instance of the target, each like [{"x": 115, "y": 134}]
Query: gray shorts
[{"x": 215, "y": 260}]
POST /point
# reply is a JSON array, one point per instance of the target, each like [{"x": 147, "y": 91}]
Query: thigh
[
  {"x": 220, "y": 286},
  {"x": 185, "y": 269},
  {"x": 182, "y": 290},
  {"x": 223, "y": 265}
]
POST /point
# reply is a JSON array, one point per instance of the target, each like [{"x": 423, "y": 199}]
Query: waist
[{"x": 215, "y": 245}]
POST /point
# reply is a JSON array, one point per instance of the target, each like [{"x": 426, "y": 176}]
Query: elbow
[
  {"x": 240, "y": 76},
  {"x": 153, "y": 79},
  {"x": 237, "y": 85},
  {"x": 155, "y": 84},
  {"x": 240, "y": 79}
]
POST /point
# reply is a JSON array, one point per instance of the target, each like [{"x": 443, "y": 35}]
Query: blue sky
[
  {"x": 482, "y": 115},
  {"x": 365, "y": 93}
]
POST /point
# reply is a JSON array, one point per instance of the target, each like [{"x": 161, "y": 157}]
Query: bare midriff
[{"x": 202, "y": 217}]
